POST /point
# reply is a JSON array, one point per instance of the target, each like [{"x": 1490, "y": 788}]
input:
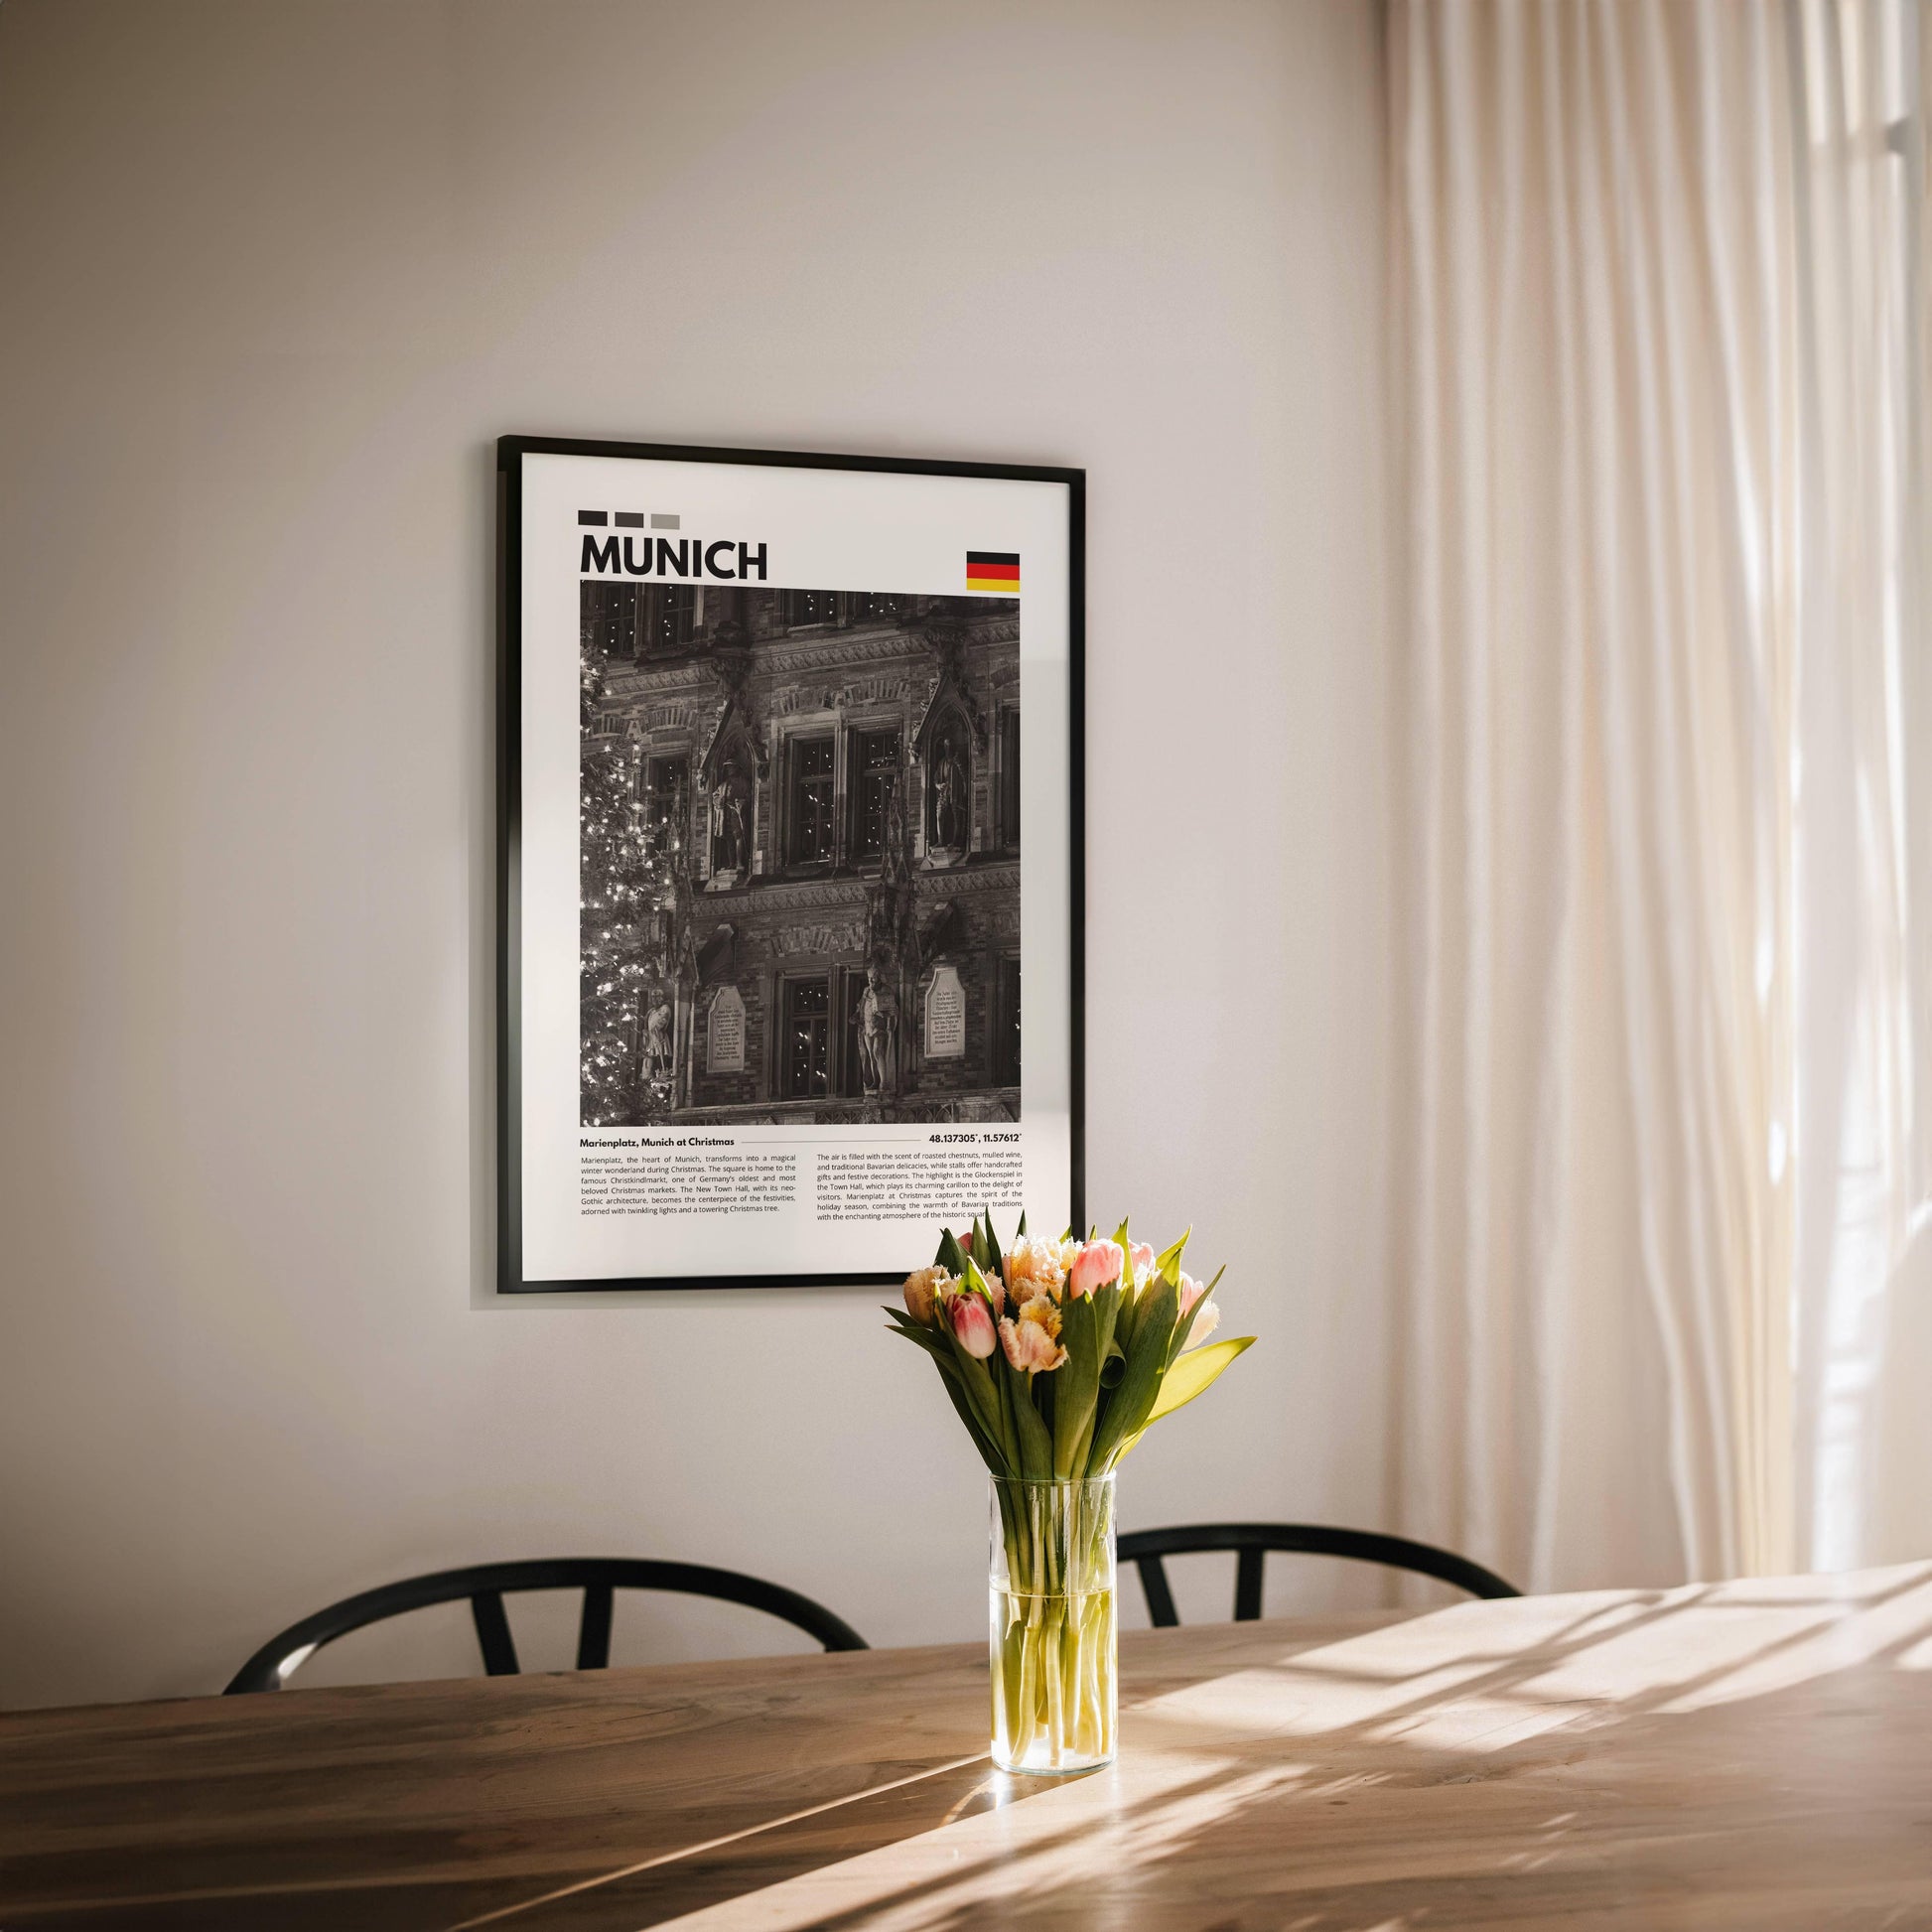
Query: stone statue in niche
[
  {"x": 731, "y": 807},
  {"x": 878, "y": 1035},
  {"x": 947, "y": 828},
  {"x": 657, "y": 1034}
]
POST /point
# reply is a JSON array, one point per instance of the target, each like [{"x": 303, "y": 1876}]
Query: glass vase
[{"x": 1052, "y": 1634}]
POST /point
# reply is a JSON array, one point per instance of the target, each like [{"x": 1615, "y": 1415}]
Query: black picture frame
[{"x": 510, "y": 451}]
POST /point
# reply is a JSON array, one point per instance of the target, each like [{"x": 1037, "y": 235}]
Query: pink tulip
[
  {"x": 972, "y": 1325},
  {"x": 1097, "y": 1264},
  {"x": 1140, "y": 1255},
  {"x": 1029, "y": 1349},
  {"x": 1191, "y": 1292}
]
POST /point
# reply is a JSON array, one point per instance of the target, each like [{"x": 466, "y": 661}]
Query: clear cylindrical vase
[{"x": 1053, "y": 1633}]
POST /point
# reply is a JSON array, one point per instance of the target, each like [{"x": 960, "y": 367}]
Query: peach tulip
[
  {"x": 1044, "y": 1310},
  {"x": 924, "y": 1288},
  {"x": 1029, "y": 1347},
  {"x": 1033, "y": 1267},
  {"x": 1097, "y": 1264}
]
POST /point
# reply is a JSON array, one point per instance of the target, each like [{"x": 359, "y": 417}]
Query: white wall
[{"x": 275, "y": 279}]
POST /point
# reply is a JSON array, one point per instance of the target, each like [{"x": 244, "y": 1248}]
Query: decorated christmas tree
[{"x": 626, "y": 880}]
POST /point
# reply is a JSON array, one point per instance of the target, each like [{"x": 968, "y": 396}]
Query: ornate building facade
[{"x": 831, "y": 780}]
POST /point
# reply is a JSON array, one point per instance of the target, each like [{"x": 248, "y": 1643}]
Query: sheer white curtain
[{"x": 1661, "y": 370}]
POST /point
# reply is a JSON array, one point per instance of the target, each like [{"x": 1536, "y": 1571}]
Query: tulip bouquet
[{"x": 1058, "y": 1356}]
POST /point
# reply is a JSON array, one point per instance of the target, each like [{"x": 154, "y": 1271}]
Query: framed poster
[{"x": 772, "y": 934}]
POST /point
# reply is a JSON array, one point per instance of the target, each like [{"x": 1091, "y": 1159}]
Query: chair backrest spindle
[
  {"x": 594, "y": 1632},
  {"x": 1160, "y": 1599},
  {"x": 1247, "y": 1585},
  {"x": 494, "y": 1633}
]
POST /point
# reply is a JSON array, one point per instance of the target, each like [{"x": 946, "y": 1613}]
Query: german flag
[{"x": 993, "y": 570}]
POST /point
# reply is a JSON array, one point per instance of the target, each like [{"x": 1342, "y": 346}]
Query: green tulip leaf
[
  {"x": 991, "y": 1261},
  {"x": 1077, "y": 1384},
  {"x": 1168, "y": 1263},
  {"x": 1193, "y": 1373},
  {"x": 1146, "y": 1360},
  {"x": 1035, "y": 1439}
]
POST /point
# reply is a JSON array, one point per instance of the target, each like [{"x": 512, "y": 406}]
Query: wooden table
[{"x": 1754, "y": 1755}]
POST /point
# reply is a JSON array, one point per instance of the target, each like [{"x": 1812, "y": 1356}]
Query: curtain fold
[{"x": 1660, "y": 361}]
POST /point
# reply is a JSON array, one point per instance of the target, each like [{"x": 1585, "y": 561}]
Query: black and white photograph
[{"x": 800, "y": 856}]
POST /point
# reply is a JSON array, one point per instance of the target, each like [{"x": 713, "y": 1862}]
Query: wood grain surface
[{"x": 1752, "y": 1755}]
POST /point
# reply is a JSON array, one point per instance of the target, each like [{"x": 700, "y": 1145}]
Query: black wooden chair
[
  {"x": 1145, "y": 1549},
  {"x": 486, "y": 1586}
]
